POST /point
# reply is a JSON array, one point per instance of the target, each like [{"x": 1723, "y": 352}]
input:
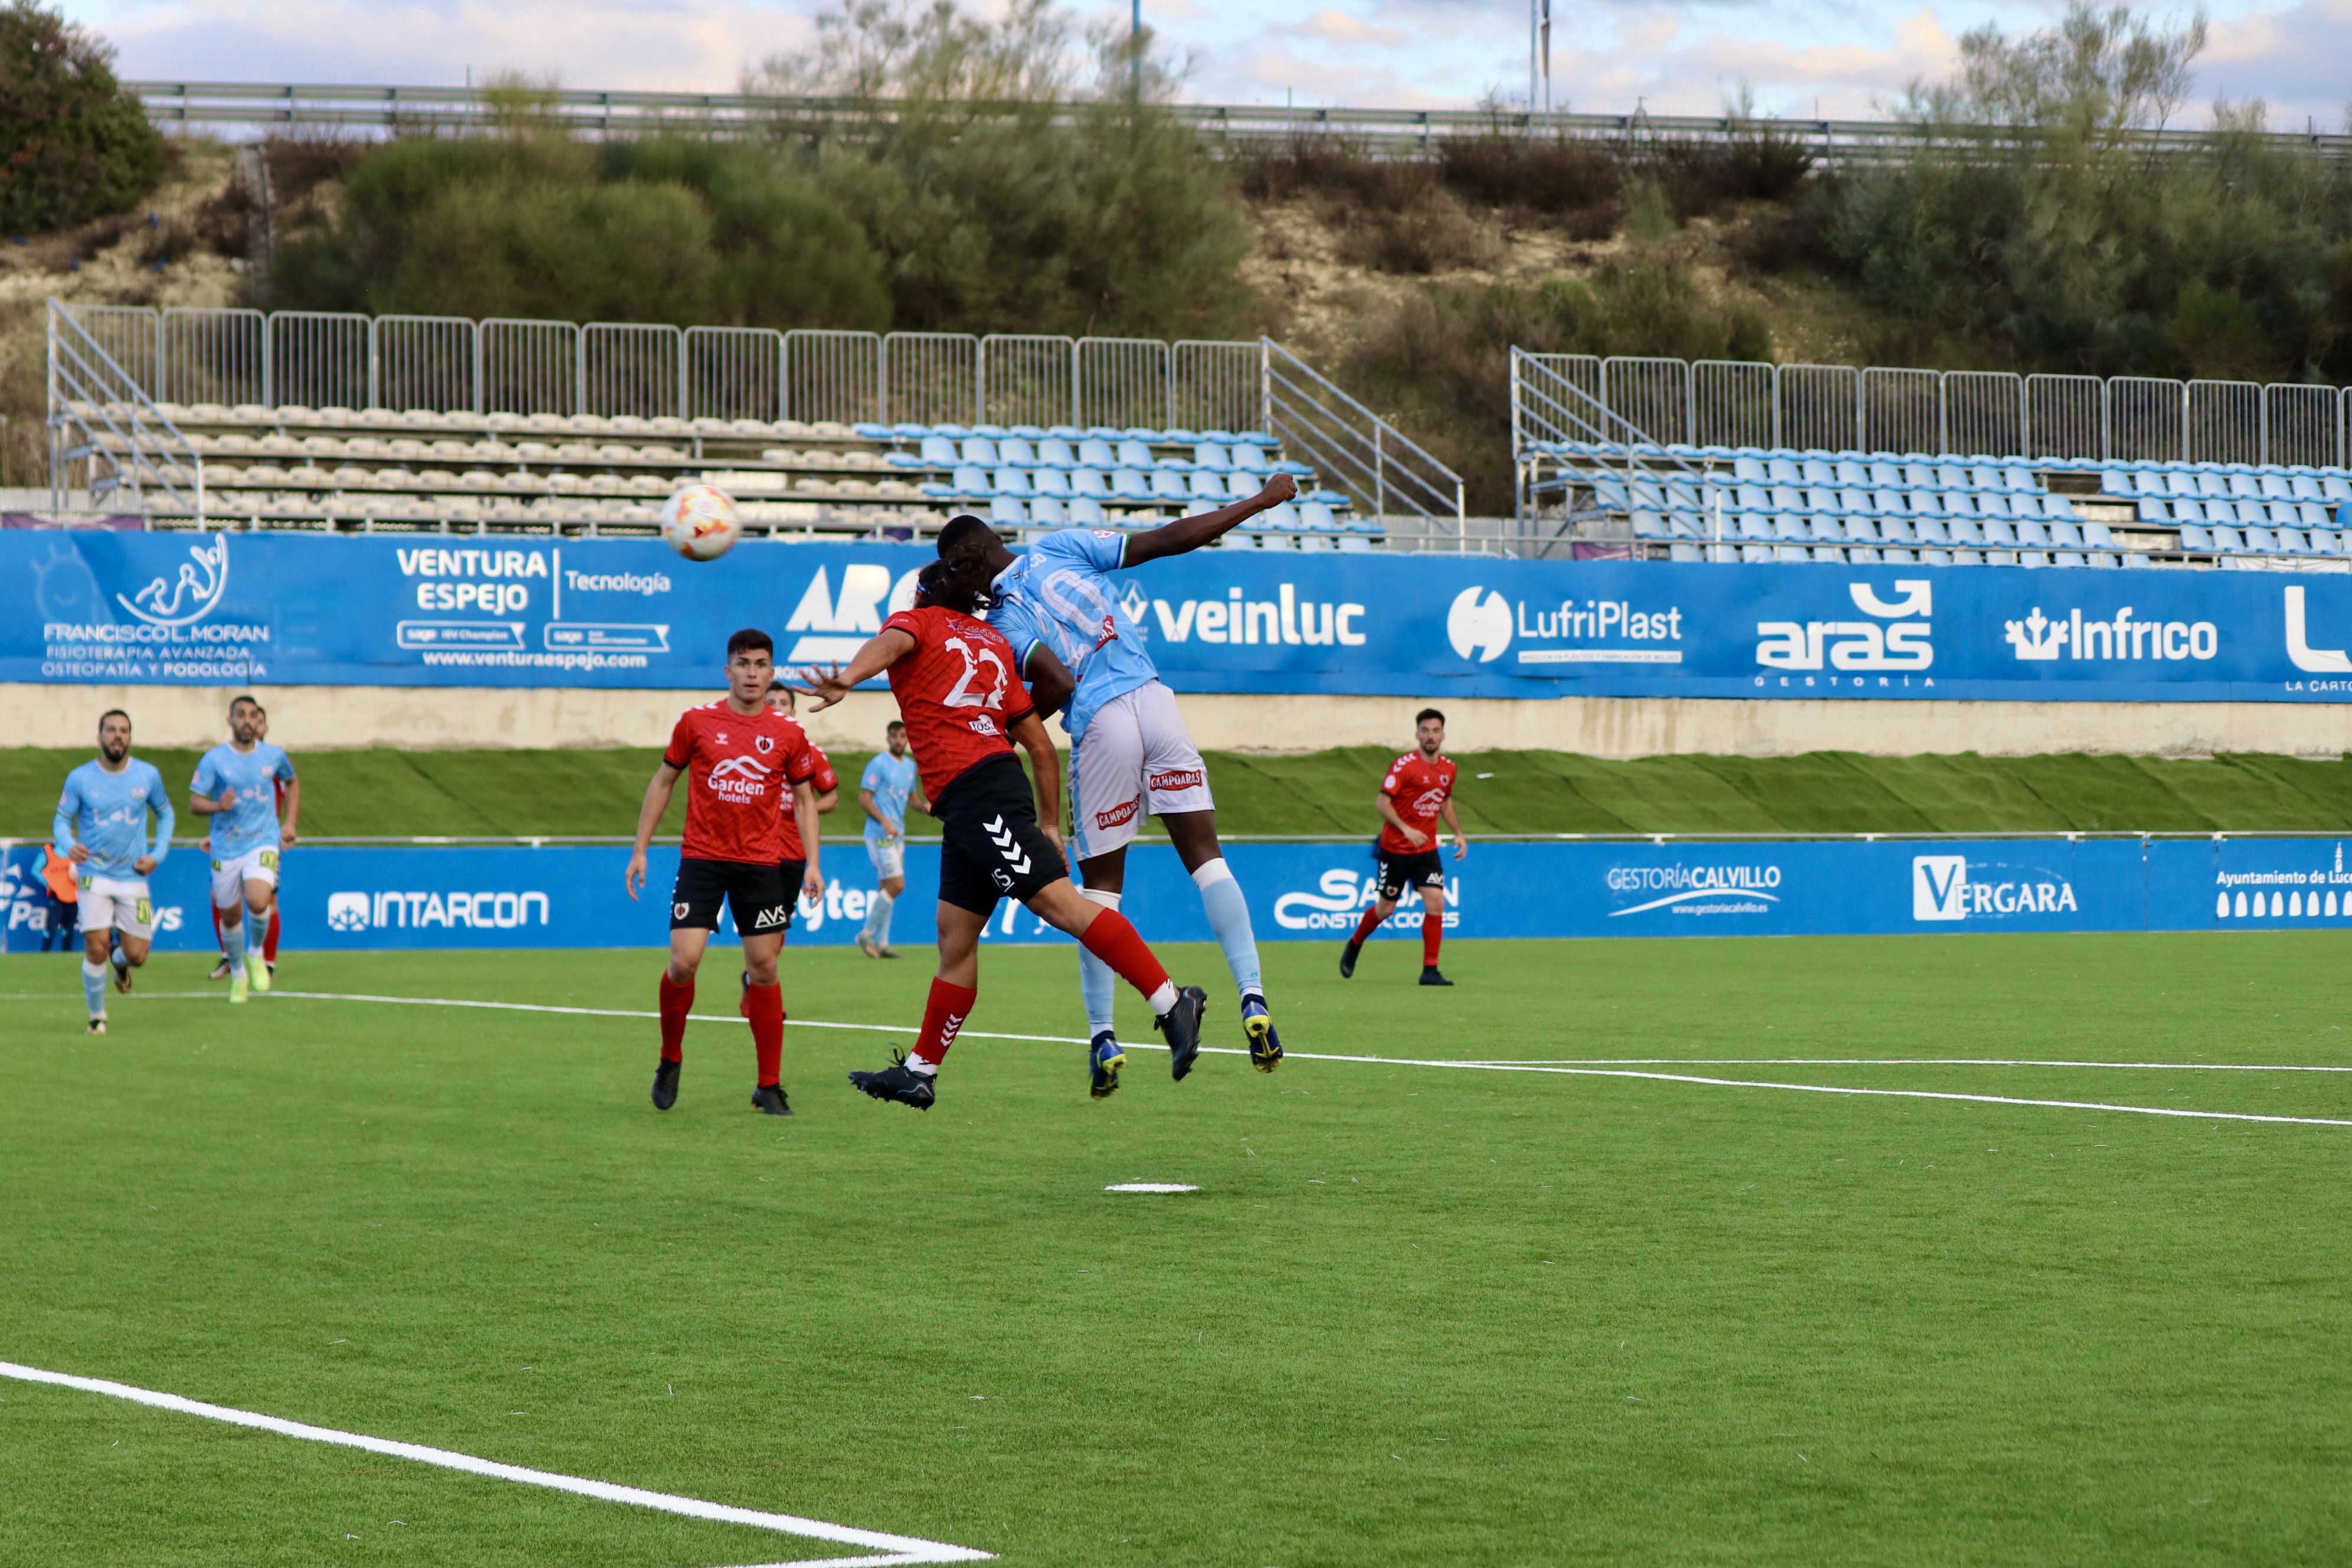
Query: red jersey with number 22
[
  {"x": 739, "y": 774},
  {"x": 959, "y": 691},
  {"x": 1416, "y": 786}
]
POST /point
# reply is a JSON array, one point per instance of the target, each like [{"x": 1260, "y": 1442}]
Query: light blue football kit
[
  {"x": 252, "y": 823},
  {"x": 106, "y": 813},
  {"x": 1130, "y": 752},
  {"x": 890, "y": 780}
]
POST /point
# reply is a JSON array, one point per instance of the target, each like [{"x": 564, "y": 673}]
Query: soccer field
[{"x": 1418, "y": 1311}]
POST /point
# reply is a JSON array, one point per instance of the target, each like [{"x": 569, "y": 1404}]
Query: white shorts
[
  {"x": 889, "y": 857},
  {"x": 122, "y": 902},
  {"x": 1136, "y": 758},
  {"x": 229, "y": 877}
]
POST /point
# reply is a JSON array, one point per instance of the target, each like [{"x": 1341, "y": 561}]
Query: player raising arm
[
  {"x": 1418, "y": 791},
  {"x": 952, "y": 675},
  {"x": 740, "y": 759},
  {"x": 1130, "y": 752},
  {"x": 237, "y": 785},
  {"x": 102, "y": 828}
]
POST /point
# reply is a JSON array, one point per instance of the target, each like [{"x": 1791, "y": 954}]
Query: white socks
[{"x": 1163, "y": 999}]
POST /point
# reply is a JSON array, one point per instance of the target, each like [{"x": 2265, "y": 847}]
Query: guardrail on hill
[{"x": 266, "y": 105}]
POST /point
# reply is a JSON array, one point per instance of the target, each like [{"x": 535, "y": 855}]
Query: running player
[
  {"x": 889, "y": 778},
  {"x": 1130, "y": 752},
  {"x": 954, "y": 677},
  {"x": 102, "y": 828},
  {"x": 1419, "y": 790},
  {"x": 741, "y": 759},
  {"x": 278, "y": 896},
  {"x": 236, "y": 786}
]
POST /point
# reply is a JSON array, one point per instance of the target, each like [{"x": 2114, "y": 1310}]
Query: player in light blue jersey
[
  {"x": 1130, "y": 752},
  {"x": 882, "y": 794},
  {"x": 236, "y": 786},
  {"x": 102, "y": 828}
]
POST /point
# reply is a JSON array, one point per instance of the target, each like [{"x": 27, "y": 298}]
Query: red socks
[
  {"x": 676, "y": 1002},
  {"x": 1114, "y": 939},
  {"x": 764, "y": 1006},
  {"x": 270, "y": 942},
  {"x": 944, "y": 1015},
  {"x": 1432, "y": 931},
  {"x": 1366, "y": 927}
]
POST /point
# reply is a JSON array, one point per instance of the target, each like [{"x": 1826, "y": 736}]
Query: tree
[{"x": 74, "y": 146}]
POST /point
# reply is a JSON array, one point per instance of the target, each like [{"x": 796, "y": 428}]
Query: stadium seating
[
  {"x": 1704, "y": 503},
  {"x": 417, "y": 470}
]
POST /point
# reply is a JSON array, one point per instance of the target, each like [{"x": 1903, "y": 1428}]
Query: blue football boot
[
  {"x": 1258, "y": 1023},
  {"x": 1104, "y": 1059}
]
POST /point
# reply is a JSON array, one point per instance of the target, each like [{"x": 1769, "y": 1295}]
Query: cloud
[{"x": 1340, "y": 31}]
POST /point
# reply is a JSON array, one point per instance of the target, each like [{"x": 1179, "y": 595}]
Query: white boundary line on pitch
[
  {"x": 899, "y": 1551},
  {"x": 1613, "y": 1071}
]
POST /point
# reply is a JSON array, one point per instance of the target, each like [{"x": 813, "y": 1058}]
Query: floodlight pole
[{"x": 1135, "y": 53}]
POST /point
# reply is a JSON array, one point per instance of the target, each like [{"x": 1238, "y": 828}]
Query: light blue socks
[
  {"x": 93, "y": 987},
  {"x": 1096, "y": 984},
  {"x": 1229, "y": 917}
]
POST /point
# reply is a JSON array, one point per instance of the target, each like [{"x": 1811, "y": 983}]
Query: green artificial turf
[
  {"x": 389, "y": 792},
  {"x": 1414, "y": 1314}
]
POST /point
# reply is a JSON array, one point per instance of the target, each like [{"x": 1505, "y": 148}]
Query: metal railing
[
  {"x": 264, "y": 106},
  {"x": 1385, "y": 472},
  {"x": 1953, "y": 412},
  {"x": 1563, "y": 392},
  {"x": 103, "y": 424},
  {"x": 604, "y": 369}
]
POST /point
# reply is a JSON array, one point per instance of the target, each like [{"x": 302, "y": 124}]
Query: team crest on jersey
[{"x": 766, "y": 743}]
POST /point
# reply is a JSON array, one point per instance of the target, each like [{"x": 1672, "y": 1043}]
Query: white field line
[
  {"x": 1612, "y": 1071},
  {"x": 899, "y": 1551}
]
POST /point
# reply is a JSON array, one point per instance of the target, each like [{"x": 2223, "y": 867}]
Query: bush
[
  {"x": 74, "y": 146},
  {"x": 1393, "y": 214},
  {"x": 531, "y": 224}
]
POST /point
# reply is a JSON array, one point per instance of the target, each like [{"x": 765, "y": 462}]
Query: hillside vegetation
[
  {"x": 398, "y": 792},
  {"x": 2059, "y": 245}
]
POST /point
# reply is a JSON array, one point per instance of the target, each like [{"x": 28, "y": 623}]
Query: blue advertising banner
[
  {"x": 265, "y": 608},
  {"x": 456, "y": 897}
]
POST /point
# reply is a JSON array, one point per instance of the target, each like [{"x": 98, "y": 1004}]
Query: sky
[{"x": 1796, "y": 57}]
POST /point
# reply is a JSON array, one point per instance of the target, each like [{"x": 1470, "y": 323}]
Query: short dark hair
[
  {"x": 113, "y": 714},
  {"x": 963, "y": 531},
  {"x": 894, "y": 724},
  {"x": 748, "y": 638},
  {"x": 1426, "y": 715},
  {"x": 241, "y": 697}
]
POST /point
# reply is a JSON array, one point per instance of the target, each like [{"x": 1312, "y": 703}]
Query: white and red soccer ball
[{"x": 701, "y": 522}]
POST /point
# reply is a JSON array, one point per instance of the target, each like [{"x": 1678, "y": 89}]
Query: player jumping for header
[
  {"x": 102, "y": 828},
  {"x": 954, "y": 677},
  {"x": 1130, "y": 752},
  {"x": 741, "y": 760},
  {"x": 237, "y": 785},
  {"x": 1419, "y": 790}
]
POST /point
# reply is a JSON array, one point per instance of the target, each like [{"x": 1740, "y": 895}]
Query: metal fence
[
  {"x": 318, "y": 360},
  {"x": 1883, "y": 408}
]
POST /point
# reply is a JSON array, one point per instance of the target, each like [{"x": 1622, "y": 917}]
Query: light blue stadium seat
[
  {"x": 1749, "y": 469},
  {"x": 1829, "y": 552},
  {"x": 1283, "y": 519},
  {"x": 993, "y": 432},
  {"x": 1008, "y": 511},
  {"x": 1783, "y": 472},
  {"x": 2275, "y": 486},
  {"x": 1786, "y": 552},
  {"x": 1096, "y": 453},
  {"x": 2194, "y": 537},
  {"x": 1134, "y": 454},
  {"x": 2304, "y": 486},
  {"x": 1685, "y": 552},
  {"x": 1030, "y": 432},
  {"x": 1648, "y": 524},
  {"x": 1896, "y": 556},
  {"x": 1052, "y": 452},
  {"x": 1921, "y": 476},
  {"x": 2068, "y": 558},
  {"x": 1169, "y": 485},
  {"x": 1787, "y": 498},
  {"x": 2098, "y": 536},
  {"x": 2212, "y": 484},
  {"x": 1646, "y": 492},
  {"x": 1212, "y": 455},
  {"x": 2065, "y": 535},
  {"x": 1984, "y": 477},
  {"x": 971, "y": 481},
  {"x": 1011, "y": 482},
  {"x": 1754, "y": 526},
  {"x": 1207, "y": 485},
  {"x": 1897, "y": 531},
  {"x": 2020, "y": 481},
  {"x": 1316, "y": 517},
  {"x": 1090, "y": 482},
  {"x": 1085, "y": 511},
  {"x": 2244, "y": 486},
  {"x": 1964, "y": 532},
  {"x": 1047, "y": 512},
  {"x": 1851, "y": 501},
  {"x": 1066, "y": 432},
  {"x": 1126, "y": 484},
  {"x": 1753, "y": 555},
  {"x": 979, "y": 452},
  {"x": 1936, "y": 557},
  {"x": 2292, "y": 542},
  {"x": 1884, "y": 474},
  {"x": 1789, "y": 528},
  {"x": 1997, "y": 532},
  {"x": 939, "y": 452},
  {"x": 1239, "y": 486},
  {"x": 1967, "y": 558},
  {"x": 2151, "y": 510},
  {"x": 1685, "y": 522},
  {"x": 1889, "y": 503},
  {"x": 1929, "y": 503},
  {"x": 1015, "y": 452},
  {"x": 2226, "y": 538},
  {"x": 1818, "y": 470},
  {"x": 1752, "y": 498},
  {"x": 2057, "y": 508},
  {"x": 1851, "y": 471},
  {"x": 1931, "y": 530},
  {"x": 1249, "y": 460},
  {"x": 1853, "y": 531},
  {"x": 2262, "y": 540},
  {"x": 2180, "y": 482},
  {"x": 2328, "y": 542},
  {"x": 1049, "y": 482},
  {"x": 2031, "y": 530}
]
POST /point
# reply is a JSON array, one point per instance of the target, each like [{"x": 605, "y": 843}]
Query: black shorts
[
  {"x": 1419, "y": 870},
  {"x": 761, "y": 895},
  {"x": 989, "y": 844}
]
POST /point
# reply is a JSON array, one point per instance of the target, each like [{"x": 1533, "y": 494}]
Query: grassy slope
[
  {"x": 1478, "y": 1318},
  {"x": 596, "y": 791}
]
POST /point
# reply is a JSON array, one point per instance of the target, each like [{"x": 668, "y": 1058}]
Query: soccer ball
[{"x": 700, "y": 522}]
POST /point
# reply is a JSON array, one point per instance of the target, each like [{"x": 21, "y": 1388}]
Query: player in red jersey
[
  {"x": 741, "y": 760},
  {"x": 824, "y": 781},
  {"x": 1418, "y": 791},
  {"x": 954, "y": 677}
]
